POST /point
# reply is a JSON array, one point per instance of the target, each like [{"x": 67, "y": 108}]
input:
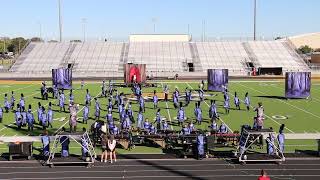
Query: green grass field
[{"x": 303, "y": 115}]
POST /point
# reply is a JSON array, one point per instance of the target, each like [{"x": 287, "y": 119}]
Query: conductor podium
[{"x": 250, "y": 148}]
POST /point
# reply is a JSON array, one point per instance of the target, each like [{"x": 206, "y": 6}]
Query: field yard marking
[
  {"x": 267, "y": 116},
  {"x": 167, "y": 106},
  {"x": 209, "y": 107},
  {"x": 284, "y": 102},
  {"x": 19, "y": 89},
  {"x": 77, "y": 113}
]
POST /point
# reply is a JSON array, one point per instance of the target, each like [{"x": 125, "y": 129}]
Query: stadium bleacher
[{"x": 162, "y": 59}]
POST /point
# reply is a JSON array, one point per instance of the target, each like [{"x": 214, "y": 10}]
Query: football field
[{"x": 298, "y": 115}]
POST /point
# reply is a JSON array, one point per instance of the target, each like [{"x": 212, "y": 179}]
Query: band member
[
  {"x": 140, "y": 119},
  {"x": 188, "y": 96},
  {"x": 22, "y": 102},
  {"x": 152, "y": 130},
  {"x": 158, "y": 119},
  {"x": 155, "y": 99},
  {"x": 226, "y": 104},
  {"x": 200, "y": 146},
  {"x": 109, "y": 116},
  {"x": 88, "y": 97},
  {"x": 23, "y": 117},
  {"x": 45, "y": 139},
  {"x": 181, "y": 116},
  {"x": 97, "y": 108},
  {"x": 185, "y": 130},
  {"x": 191, "y": 127},
  {"x": 213, "y": 113},
  {"x": 13, "y": 99},
  {"x": 44, "y": 120},
  {"x": 141, "y": 103},
  {"x": 130, "y": 112},
  {"x": 39, "y": 112},
  {"x": 50, "y": 115},
  {"x": 71, "y": 97},
  {"x": 247, "y": 101},
  {"x": 82, "y": 84},
  {"x": 146, "y": 125},
  {"x": 30, "y": 119},
  {"x": 103, "y": 89},
  {"x": 62, "y": 99},
  {"x": 165, "y": 125},
  {"x": 198, "y": 113},
  {"x": 7, "y": 105},
  {"x": 86, "y": 112},
  {"x": 73, "y": 117},
  {"x": 259, "y": 119},
  {"x": 18, "y": 117},
  {"x": 223, "y": 129},
  {"x": 166, "y": 92},
  {"x": 236, "y": 101},
  {"x": 281, "y": 138},
  {"x": 214, "y": 127},
  {"x": 201, "y": 95}
]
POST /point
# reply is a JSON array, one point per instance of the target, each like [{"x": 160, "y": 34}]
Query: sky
[{"x": 117, "y": 19}]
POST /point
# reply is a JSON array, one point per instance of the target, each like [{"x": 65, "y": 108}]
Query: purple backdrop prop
[
  {"x": 217, "y": 79},
  {"x": 62, "y": 78},
  {"x": 298, "y": 84}
]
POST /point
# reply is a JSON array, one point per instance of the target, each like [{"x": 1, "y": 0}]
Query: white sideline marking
[
  {"x": 284, "y": 102},
  {"x": 209, "y": 107}
]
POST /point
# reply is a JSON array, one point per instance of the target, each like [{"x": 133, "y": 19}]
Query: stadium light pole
[
  {"x": 60, "y": 21},
  {"x": 255, "y": 20}
]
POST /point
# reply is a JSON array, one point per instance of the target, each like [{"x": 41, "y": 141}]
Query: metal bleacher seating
[
  {"x": 163, "y": 59},
  {"x": 277, "y": 54},
  {"x": 223, "y": 55}
]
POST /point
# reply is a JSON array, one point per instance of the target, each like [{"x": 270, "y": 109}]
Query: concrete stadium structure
[{"x": 176, "y": 54}]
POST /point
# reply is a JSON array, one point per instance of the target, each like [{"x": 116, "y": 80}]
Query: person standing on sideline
[
  {"x": 104, "y": 147},
  {"x": 166, "y": 92},
  {"x": 263, "y": 175},
  {"x": 112, "y": 147}
]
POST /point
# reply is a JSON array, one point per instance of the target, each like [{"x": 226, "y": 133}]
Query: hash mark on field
[
  {"x": 284, "y": 102},
  {"x": 209, "y": 107}
]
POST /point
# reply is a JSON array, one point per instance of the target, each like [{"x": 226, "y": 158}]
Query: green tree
[
  {"x": 17, "y": 44},
  {"x": 305, "y": 49}
]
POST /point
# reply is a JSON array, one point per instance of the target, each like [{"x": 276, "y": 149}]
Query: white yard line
[
  {"x": 303, "y": 110},
  {"x": 8, "y": 92},
  {"x": 209, "y": 107}
]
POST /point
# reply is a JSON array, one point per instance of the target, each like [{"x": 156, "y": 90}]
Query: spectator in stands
[
  {"x": 263, "y": 175},
  {"x": 45, "y": 139},
  {"x": 104, "y": 147},
  {"x": 112, "y": 147}
]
